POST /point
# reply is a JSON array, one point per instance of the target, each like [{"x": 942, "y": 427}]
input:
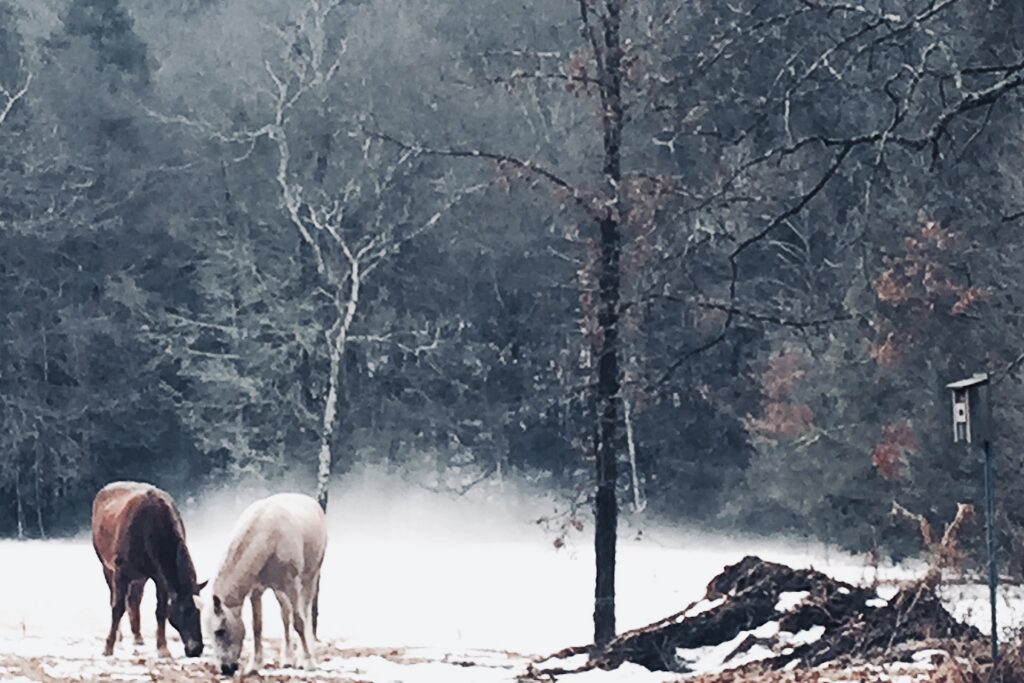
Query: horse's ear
[
  {"x": 201, "y": 586},
  {"x": 216, "y": 605}
]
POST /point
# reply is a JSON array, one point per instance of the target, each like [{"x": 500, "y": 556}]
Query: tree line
[{"x": 712, "y": 262}]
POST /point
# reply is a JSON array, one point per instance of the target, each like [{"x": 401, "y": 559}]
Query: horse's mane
[
  {"x": 184, "y": 571},
  {"x": 242, "y": 562}
]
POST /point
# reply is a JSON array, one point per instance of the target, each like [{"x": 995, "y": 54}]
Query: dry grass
[{"x": 143, "y": 668}]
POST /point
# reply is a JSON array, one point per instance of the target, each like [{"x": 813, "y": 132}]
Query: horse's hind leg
[
  {"x": 286, "y": 619},
  {"x": 108, "y": 576},
  {"x": 314, "y": 604},
  {"x": 135, "y": 590},
  {"x": 118, "y": 590},
  {"x": 301, "y": 617}
]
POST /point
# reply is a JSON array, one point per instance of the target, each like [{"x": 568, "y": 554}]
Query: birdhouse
[{"x": 966, "y": 404}]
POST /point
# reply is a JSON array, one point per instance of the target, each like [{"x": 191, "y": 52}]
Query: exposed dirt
[{"x": 337, "y": 665}]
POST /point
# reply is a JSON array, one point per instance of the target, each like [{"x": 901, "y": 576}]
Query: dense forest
[{"x": 714, "y": 260}]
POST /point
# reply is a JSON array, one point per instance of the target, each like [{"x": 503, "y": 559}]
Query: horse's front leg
[
  {"x": 118, "y": 591},
  {"x": 256, "y": 600},
  {"x": 161, "y": 620}
]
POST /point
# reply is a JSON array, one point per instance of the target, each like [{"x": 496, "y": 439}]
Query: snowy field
[{"x": 416, "y": 587}]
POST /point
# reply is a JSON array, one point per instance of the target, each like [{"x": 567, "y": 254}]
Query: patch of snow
[
  {"x": 756, "y": 653},
  {"x": 927, "y": 656},
  {"x": 627, "y": 673},
  {"x": 382, "y": 670},
  {"x": 573, "y": 662},
  {"x": 712, "y": 658},
  {"x": 789, "y": 600},
  {"x": 709, "y": 658},
  {"x": 876, "y": 602},
  {"x": 703, "y": 606},
  {"x": 768, "y": 629},
  {"x": 807, "y": 636},
  {"x": 970, "y": 603}
]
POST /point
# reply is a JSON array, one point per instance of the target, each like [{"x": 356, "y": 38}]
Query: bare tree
[
  {"x": 350, "y": 225},
  {"x": 604, "y": 69}
]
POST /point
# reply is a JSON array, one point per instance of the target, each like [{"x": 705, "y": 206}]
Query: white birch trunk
[
  {"x": 639, "y": 501},
  {"x": 21, "y": 508},
  {"x": 337, "y": 338},
  {"x": 39, "y": 498}
]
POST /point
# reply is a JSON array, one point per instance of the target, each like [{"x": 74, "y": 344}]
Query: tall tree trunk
[
  {"x": 38, "y": 445},
  {"x": 606, "y": 501},
  {"x": 337, "y": 339},
  {"x": 639, "y": 504},
  {"x": 330, "y": 418},
  {"x": 338, "y": 343},
  {"x": 20, "y": 505},
  {"x": 608, "y": 383},
  {"x": 38, "y": 495}
]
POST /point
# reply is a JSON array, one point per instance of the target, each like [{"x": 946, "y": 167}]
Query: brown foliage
[
  {"x": 898, "y": 440},
  {"x": 782, "y": 415},
  {"x": 785, "y": 371},
  {"x": 917, "y": 286}
]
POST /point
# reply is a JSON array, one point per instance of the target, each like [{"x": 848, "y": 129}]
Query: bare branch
[
  {"x": 777, "y": 319},
  {"x": 8, "y": 99},
  {"x": 528, "y": 166},
  {"x": 685, "y": 356}
]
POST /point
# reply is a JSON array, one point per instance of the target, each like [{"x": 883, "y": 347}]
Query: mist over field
[
  {"x": 423, "y": 576},
  {"x": 406, "y": 566}
]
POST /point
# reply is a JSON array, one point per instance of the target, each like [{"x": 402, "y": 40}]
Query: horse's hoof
[
  {"x": 139, "y": 640},
  {"x": 163, "y": 653},
  {"x": 108, "y": 651}
]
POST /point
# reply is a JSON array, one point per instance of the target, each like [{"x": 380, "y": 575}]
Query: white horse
[{"x": 278, "y": 544}]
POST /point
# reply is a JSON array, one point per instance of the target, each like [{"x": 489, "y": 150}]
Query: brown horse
[{"x": 138, "y": 535}]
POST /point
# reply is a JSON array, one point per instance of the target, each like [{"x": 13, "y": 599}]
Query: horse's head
[
  {"x": 228, "y": 633},
  {"x": 183, "y": 613}
]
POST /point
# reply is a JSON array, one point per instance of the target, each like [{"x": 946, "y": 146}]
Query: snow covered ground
[{"x": 415, "y": 587}]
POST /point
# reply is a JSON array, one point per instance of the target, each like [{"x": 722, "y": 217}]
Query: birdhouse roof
[{"x": 974, "y": 380}]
